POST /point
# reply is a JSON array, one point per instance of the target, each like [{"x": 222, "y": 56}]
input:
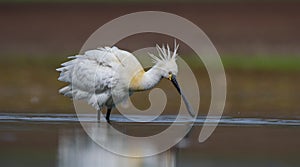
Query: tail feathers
[
  {"x": 75, "y": 93},
  {"x": 80, "y": 95},
  {"x": 65, "y": 76},
  {"x": 95, "y": 100},
  {"x": 66, "y": 91},
  {"x": 66, "y": 72},
  {"x": 67, "y": 69}
]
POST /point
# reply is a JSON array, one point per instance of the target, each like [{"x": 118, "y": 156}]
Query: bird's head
[
  {"x": 168, "y": 69},
  {"x": 166, "y": 65},
  {"x": 166, "y": 61}
]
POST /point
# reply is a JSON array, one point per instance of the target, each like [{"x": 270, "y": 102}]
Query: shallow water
[
  {"x": 59, "y": 140},
  {"x": 161, "y": 120}
]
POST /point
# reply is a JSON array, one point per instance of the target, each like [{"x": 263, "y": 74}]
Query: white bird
[{"x": 103, "y": 77}]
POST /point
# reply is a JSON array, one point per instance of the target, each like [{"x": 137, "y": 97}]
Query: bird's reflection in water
[{"x": 76, "y": 148}]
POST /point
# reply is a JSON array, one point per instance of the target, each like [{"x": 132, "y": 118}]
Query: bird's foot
[
  {"x": 108, "y": 120},
  {"x": 108, "y": 115},
  {"x": 98, "y": 116}
]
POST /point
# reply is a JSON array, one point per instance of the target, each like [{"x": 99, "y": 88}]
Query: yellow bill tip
[{"x": 170, "y": 77}]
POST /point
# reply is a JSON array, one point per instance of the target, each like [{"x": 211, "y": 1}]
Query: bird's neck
[{"x": 146, "y": 80}]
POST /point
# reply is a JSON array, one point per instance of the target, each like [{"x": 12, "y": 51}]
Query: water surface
[{"x": 59, "y": 140}]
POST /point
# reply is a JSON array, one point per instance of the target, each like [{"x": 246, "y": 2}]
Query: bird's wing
[
  {"x": 92, "y": 75},
  {"x": 93, "y": 72}
]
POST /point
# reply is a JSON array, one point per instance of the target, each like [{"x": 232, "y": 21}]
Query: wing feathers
[{"x": 91, "y": 76}]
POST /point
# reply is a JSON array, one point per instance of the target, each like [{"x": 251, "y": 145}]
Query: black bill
[{"x": 187, "y": 104}]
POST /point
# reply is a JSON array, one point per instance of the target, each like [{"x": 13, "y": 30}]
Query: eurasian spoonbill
[{"x": 106, "y": 76}]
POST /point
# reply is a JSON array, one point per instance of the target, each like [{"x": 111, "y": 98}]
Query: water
[
  {"x": 164, "y": 119},
  {"x": 59, "y": 140}
]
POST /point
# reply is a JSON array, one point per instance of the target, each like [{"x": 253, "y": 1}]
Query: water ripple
[{"x": 164, "y": 119}]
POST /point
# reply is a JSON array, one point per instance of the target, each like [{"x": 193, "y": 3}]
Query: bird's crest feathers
[{"x": 164, "y": 54}]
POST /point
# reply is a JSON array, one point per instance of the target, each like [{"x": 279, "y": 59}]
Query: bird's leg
[
  {"x": 98, "y": 115},
  {"x": 108, "y": 114}
]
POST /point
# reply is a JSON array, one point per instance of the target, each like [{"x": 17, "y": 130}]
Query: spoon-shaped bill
[{"x": 186, "y": 102}]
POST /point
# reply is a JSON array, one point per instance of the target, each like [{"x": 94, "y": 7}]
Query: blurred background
[{"x": 258, "y": 42}]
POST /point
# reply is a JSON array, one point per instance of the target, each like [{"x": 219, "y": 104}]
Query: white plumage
[{"x": 103, "y": 73}]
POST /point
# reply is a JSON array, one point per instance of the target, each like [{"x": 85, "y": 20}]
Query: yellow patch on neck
[{"x": 136, "y": 80}]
